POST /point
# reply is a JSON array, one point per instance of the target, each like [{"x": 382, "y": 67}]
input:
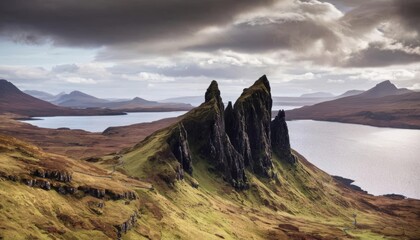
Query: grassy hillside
[
  {"x": 176, "y": 184},
  {"x": 75, "y": 201},
  {"x": 302, "y": 202}
]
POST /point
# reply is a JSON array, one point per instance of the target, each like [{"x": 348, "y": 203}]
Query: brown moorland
[
  {"x": 136, "y": 193},
  {"x": 381, "y": 106}
]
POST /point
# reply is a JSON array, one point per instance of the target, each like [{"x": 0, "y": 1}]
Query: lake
[
  {"x": 380, "y": 160},
  {"x": 100, "y": 123}
]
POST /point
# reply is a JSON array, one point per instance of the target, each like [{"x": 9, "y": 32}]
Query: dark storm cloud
[
  {"x": 377, "y": 56},
  {"x": 397, "y": 21},
  {"x": 272, "y": 34},
  {"x": 105, "y": 22},
  {"x": 409, "y": 13},
  {"x": 370, "y": 15},
  {"x": 311, "y": 30}
]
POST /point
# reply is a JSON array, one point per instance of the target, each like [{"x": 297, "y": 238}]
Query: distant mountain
[
  {"x": 133, "y": 103},
  {"x": 298, "y": 101},
  {"x": 384, "y": 88},
  {"x": 193, "y": 100},
  {"x": 384, "y": 105},
  {"x": 318, "y": 95},
  {"x": 40, "y": 94},
  {"x": 350, "y": 93},
  {"x": 13, "y": 100},
  {"x": 140, "y": 104},
  {"x": 77, "y": 99}
]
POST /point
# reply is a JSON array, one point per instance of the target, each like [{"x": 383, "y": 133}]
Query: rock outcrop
[
  {"x": 231, "y": 140},
  {"x": 124, "y": 227},
  {"x": 280, "y": 142},
  {"x": 248, "y": 127},
  {"x": 205, "y": 127},
  {"x": 62, "y": 176},
  {"x": 38, "y": 183},
  {"x": 180, "y": 148}
]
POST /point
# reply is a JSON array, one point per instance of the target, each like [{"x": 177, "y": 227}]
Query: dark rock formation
[
  {"x": 205, "y": 127},
  {"x": 248, "y": 127},
  {"x": 348, "y": 183},
  {"x": 280, "y": 138},
  {"x": 62, "y": 176},
  {"x": 230, "y": 140},
  {"x": 124, "y": 195},
  {"x": 38, "y": 183},
  {"x": 65, "y": 189},
  {"x": 127, "y": 225},
  {"x": 94, "y": 192},
  {"x": 180, "y": 148},
  {"x": 395, "y": 196}
]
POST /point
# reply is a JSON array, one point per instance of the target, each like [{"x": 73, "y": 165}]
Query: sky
[{"x": 160, "y": 49}]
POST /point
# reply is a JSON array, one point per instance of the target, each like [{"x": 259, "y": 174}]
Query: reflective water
[
  {"x": 100, "y": 123},
  {"x": 380, "y": 160}
]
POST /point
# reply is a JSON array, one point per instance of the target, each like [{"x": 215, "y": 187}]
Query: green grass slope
[{"x": 300, "y": 202}]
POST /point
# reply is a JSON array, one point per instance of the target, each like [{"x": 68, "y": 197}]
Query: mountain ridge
[
  {"x": 14, "y": 101},
  {"x": 384, "y": 105}
]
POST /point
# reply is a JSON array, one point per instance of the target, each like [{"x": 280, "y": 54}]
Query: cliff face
[
  {"x": 248, "y": 126},
  {"x": 231, "y": 140},
  {"x": 205, "y": 127},
  {"x": 180, "y": 148},
  {"x": 280, "y": 138}
]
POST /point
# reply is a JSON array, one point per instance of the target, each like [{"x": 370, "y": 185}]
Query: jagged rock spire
[
  {"x": 280, "y": 141},
  {"x": 212, "y": 91},
  {"x": 248, "y": 126},
  {"x": 235, "y": 138}
]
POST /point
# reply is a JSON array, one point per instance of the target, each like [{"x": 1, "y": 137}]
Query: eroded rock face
[
  {"x": 39, "y": 183},
  {"x": 62, "y": 176},
  {"x": 205, "y": 127},
  {"x": 280, "y": 141},
  {"x": 94, "y": 192},
  {"x": 232, "y": 139},
  {"x": 124, "y": 227},
  {"x": 179, "y": 145},
  {"x": 248, "y": 127}
]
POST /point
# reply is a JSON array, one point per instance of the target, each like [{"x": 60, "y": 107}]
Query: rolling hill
[
  {"x": 14, "y": 101},
  {"x": 41, "y": 95},
  {"x": 77, "y": 99},
  {"x": 215, "y": 173},
  {"x": 383, "y": 105},
  {"x": 80, "y": 100}
]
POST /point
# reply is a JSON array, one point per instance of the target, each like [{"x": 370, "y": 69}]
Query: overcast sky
[{"x": 159, "y": 49}]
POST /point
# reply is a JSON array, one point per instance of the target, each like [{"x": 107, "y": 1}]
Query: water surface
[
  {"x": 380, "y": 160},
  {"x": 100, "y": 123}
]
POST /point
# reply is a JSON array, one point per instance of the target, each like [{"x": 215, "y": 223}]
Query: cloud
[
  {"x": 65, "y": 68},
  {"x": 271, "y": 34},
  {"x": 108, "y": 22},
  {"x": 378, "y": 55},
  {"x": 79, "y": 80},
  {"x": 408, "y": 12},
  {"x": 162, "y": 43}
]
